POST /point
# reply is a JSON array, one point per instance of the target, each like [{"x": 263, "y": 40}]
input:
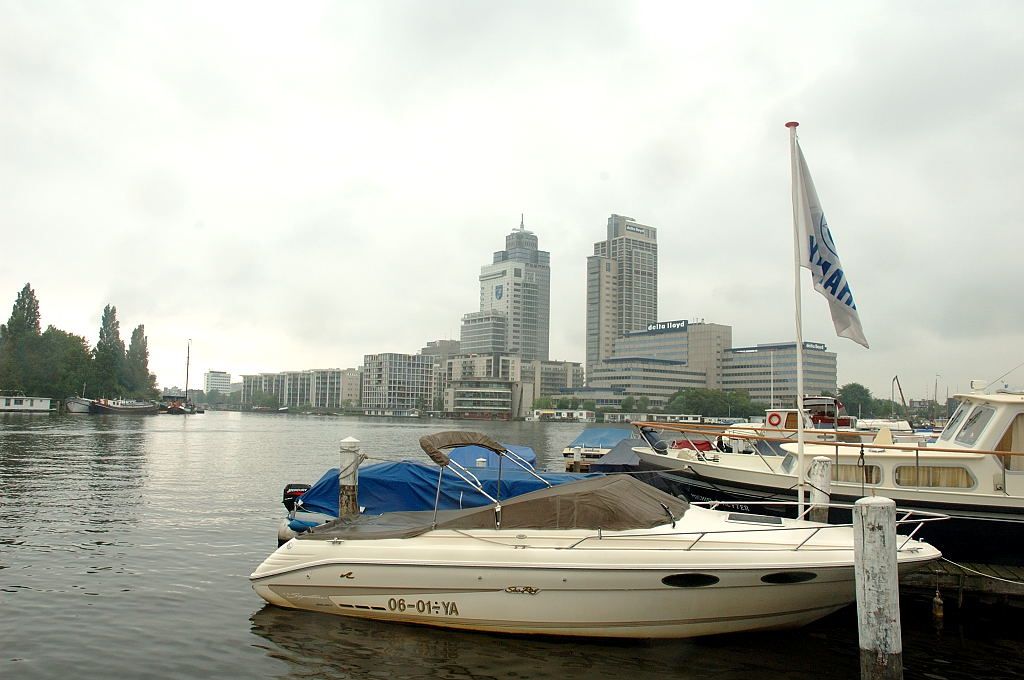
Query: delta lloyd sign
[{"x": 667, "y": 326}]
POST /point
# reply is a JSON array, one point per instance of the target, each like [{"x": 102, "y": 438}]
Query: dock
[{"x": 987, "y": 583}]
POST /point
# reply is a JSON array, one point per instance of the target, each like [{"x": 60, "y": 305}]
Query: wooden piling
[
  {"x": 348, "y": 477},
  {"x": 877, "y": 582},
  {"x": 819, "y": 477}
]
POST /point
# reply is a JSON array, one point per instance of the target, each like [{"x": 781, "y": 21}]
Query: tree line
[{"x": 57, "y": 364}]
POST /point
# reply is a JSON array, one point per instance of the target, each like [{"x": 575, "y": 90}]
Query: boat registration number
[{"x": 437, "y": 607}]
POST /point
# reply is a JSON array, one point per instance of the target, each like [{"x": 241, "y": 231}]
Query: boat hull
[
  {"x": 143, "y": 409},
  {"x": 573, "y": 602},
  {"x": 77, "y": 405},
  {"x": 551, "y": 584}
]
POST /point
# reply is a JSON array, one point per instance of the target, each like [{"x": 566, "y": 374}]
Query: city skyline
[{"x": 324, "y": 184}]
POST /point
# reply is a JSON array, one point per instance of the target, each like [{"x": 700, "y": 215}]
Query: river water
[{"x": 126, "y": 543}]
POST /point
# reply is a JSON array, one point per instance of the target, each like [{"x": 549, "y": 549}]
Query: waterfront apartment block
[
  {"x": 217, "y": 380},
  {"x": 622, "y": 286},
  {"x": 767, "y": 372},
  {"x": 551, "y": 378},
  {"x": 488, "y": 398},
  {"x": 397, "y": 384},
  {"x": 351, "y": 386},
  {"x": 315, "y": 388}
]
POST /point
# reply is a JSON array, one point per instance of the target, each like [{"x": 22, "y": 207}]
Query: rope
[{"x": 980, "y": 573}]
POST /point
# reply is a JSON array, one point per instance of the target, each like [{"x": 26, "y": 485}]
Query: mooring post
[
  {"x": 348, "y": 477},
  {"x": 577, "y": 458},
  {"x": 878, "y": 595},
  {"x": 819, "y": 476}
]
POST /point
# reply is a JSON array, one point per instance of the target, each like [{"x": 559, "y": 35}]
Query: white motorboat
[
  {"x": 974, "y": 473},
  {"x": 605, "y": 557}
]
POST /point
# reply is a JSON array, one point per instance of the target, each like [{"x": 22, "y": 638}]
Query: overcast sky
[{"x": 295, "y": 185}]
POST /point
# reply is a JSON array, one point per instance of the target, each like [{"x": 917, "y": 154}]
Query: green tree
[
  {"x": 643, "y": 404},
  {"x": 858, "y": 400},
  {"x": 20, "y": 344},
  {"x": 627, "y": 405},
  {"x": 260, "y": 398},
  {"x": 109, "y": 356},
  {"x": 542, "y": 402},
  {"x": 66, "y": 365},
  {"x": 138, "y": 380},
  {"x": 564, "y": 402},
  {"x": 589, "y": 405}
]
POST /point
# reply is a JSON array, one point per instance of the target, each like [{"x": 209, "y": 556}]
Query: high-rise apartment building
[
  {"x": 622, "y": 286},
  {"x": 515, "y": 301}
]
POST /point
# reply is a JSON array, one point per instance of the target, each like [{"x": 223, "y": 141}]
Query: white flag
[{"x": 818, "y": 253}]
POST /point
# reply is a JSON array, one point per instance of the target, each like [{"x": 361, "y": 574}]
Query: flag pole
[{"x": 797, "y": 207}]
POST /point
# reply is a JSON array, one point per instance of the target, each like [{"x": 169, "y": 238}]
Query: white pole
[
  {"x": 348, "y": 477},
  {"x": 877, "y": 583},
  {"x": 797, "y": 207},
  {"x": 820, "y": 478}
]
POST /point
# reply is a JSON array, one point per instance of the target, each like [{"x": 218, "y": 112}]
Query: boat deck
[{"x": 1002, "y": 583}]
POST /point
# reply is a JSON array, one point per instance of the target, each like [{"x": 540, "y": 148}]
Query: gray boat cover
[{"x": 614, "y": 503}]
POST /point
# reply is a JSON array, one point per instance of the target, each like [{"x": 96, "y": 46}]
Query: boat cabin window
[
  {"x": 791, "y": 421},
  {"x": 954, "y": 422},
  {"x": 789, "y": 463},
  {"x": 934, "y": 476},
  {"x": 869, "y": 474},
  {"x": 19, "y": 402},
  {"x": 974, "y": 425},
  {"x": 1012, "y": 442}
]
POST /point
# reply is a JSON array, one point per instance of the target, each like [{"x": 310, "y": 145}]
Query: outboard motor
[{"x": 292, "y": 493}]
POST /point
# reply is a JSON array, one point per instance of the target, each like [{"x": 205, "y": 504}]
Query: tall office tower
[
  {"x": 517, "y": 287},
  {"x": 622, "y": 286}
]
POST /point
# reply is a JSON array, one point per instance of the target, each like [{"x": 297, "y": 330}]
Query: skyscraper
[
  {"x": 622, "y": 286},
  {"x": 515, "y": 289}
]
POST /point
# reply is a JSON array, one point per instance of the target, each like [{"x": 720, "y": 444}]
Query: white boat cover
[{"x": 613, "y": 503}]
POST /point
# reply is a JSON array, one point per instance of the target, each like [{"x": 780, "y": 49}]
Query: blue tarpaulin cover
[
  {"x": 407, "y": 485},
  {"x": 602, "y": 437}
]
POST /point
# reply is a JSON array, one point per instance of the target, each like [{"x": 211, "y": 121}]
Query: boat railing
[
  {"x": 435, "y": 445},
  {"x": 708, "y": 430},
  {"x": 917, "y": 518}
]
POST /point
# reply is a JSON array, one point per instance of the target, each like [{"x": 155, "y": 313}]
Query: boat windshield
[
  {"x": 974, "y": 425},
  {"x": 954, "y": 422}
]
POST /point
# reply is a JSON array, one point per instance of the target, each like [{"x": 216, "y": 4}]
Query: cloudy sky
[{"x": 295, "y": 185}]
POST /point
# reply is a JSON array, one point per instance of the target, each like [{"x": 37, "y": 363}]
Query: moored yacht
[
  {"x": 974, "y": 473},
  {"x": 605, "y": 557}
]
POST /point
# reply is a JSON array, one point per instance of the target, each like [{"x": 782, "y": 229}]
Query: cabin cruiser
[
  {"x": 974, "y": 472},
  {"x": 606, "y": 557}
]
